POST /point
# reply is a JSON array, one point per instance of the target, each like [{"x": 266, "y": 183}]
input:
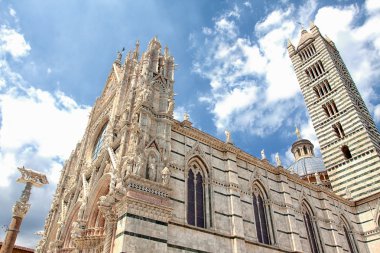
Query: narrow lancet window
[
  {"x": 196, "y": 204},
  {"x": 190, "y": 199},
  {"x": 312, "y": 234},
  {"x": 261, "y": 220}
]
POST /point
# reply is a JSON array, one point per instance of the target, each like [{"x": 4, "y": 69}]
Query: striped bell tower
[{"x": 349, "y": 139}]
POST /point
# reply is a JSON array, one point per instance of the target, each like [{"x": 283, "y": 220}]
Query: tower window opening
[
  {"x": 315, "y": 71},
  {"x": 326, "y": 111},
  {"x": 322, "y": 88},
  {"x": 338, "y": 130},
  {"x": 330, "y": 108},
  {"x": 304, "y": 150},
  {"x": 308, "y": 52},
  {"x": 346, "y": 152}
]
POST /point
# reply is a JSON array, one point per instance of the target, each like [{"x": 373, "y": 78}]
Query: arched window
[
  {"x": 304, "y": 150},
  {"x": 346, "y": 152},
  {"x": 99, "y": 142},
  {"x": 260, "y": 219},
  {"x": 352, "y": 248},
  {"x": 312, "y": 234},
  {"x": 196, "y": 206}
]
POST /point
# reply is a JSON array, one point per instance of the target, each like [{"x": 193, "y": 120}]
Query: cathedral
[{"x": 140, "y": 181}]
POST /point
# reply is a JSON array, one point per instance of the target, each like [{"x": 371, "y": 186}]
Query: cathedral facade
[{"x": 141, "y": 181}]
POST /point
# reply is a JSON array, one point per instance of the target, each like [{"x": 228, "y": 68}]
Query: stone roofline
[{"x": 20, "y": 248}]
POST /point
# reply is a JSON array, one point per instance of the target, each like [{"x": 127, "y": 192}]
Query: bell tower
[{"x": 349, "y": 139}]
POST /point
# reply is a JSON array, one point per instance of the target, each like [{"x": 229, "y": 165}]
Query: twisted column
[{"x": 105, "y": 207}]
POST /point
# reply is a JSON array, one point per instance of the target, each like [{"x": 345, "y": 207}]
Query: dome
[{"x": 307, "y": 165}]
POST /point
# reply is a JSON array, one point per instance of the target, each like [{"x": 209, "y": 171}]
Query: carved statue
[
  {"x": 130, "y": 161},
  {"x": 165, "y": 174},
  {"x": 138, "y": 165},
  {"x": 146, "y": 92},
  {"x": 186, "y": 116},
  {"x": 170, "y": 106},
  {"x": 278, "y": 160},
  {"x": 317, "y": 178},
  {"x": 263, "y": 155},
  {"x": 84, "y": 198},
  {"x": 75, "y": 231},
  {"x": 152, "y": 169},
  {"x": 228, "y": 136},
  {"x": 348, "y": 193}
]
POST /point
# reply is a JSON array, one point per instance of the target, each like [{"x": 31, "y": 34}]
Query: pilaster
[{"x": 237, "y": 226}]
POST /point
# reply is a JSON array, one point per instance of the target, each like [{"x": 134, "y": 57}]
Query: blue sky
[{"x": 233, "y": 73}]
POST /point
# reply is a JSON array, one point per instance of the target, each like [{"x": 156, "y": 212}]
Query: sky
[{"x": 233, "y": 73}]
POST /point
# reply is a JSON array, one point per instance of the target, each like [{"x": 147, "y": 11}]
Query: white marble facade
[{"x": 140, "y": 181}]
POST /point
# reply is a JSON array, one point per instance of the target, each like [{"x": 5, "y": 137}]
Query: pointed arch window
[
  {"x": 312, "y": 233},
  {"x": 99, "y": 142},
  {"x": 262, "y": 216},
  {"x": 196, "y": 196},
  {"x": 352, "y": 248}
]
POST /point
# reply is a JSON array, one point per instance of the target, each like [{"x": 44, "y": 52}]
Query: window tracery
[
  {"x": 261, "y": 216},
  {"x": 352, "y": 248},
  {"x": 198, "y": 196},
  {"x": 99, "y": 142},
  {"x": 312, "y": 233}
]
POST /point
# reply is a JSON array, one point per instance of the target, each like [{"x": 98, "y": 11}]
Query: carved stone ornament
[
  {"x": 165, "y": 174},
  {"x": 20, "y": 209}
]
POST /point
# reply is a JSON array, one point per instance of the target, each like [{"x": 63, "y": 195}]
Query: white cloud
[
  {"x": 273, "y": 19},
  {"x": 372, "y": 5},
  {"x": 377, "y": 113},
  {"x": 33, "y": 122},
  {"x": 247, "y": 4},
  {"x": 240, "y": 68},
  {"x": 12, "y": 12},
  {"x": 179, "y": 112},
  {"x": 13, "y": 43},
  {"x": 206, "y": 30}
]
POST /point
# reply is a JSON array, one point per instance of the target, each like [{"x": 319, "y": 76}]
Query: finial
[
  {"x": 136, "y": 52},
  {"x": 119, "y": 56},
  {"x": 166, "y": 51},
  {"x": 298, "y": 133},
  {"x": 312, "y": 24},
  {"x": 289, "y": 43}
]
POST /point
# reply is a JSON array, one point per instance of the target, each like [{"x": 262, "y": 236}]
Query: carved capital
[
  {"x": 108, "y": 213},
  {"x": 20, "y": 209}
]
